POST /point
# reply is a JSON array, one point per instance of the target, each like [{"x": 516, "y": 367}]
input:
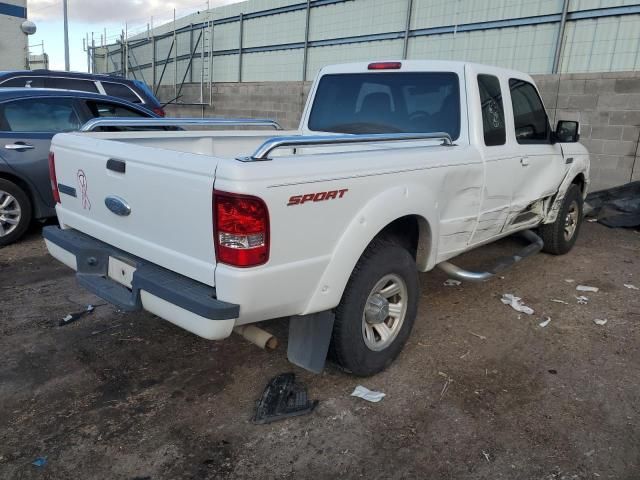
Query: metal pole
[
  {"x": 66, "y": 35},
  {"x": 240, "y": 49},
  {"x": 210, "y": 62},
  {"x": 122, "y": 61},
  {"x": 153, "y": 57},
  {"x": 560, "y": 40},
  {"x": 407, "y": 29},
  {"x": 306, "y": 42},
  {"x": 126, "y": 50},
  {"x": 175, "y": 57},
  {"x": 202, "y": 32},
  {"x": 93, "y": 54},
  {"x": 86, "y": 44},
  {"x": 153, "y": 62},
  {"x": 191, "y": 52}
]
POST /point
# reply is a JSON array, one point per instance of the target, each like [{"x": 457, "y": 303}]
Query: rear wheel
[
  {"x": 377, "y": 310},
  {"x": 15, "y": 212},
  {"x": 560, "y": 236}
]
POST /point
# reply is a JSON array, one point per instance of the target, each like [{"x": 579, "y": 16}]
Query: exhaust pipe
[{"x": 257, "y": 336}]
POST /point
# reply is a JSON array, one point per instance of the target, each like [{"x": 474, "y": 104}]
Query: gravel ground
[{"x": 479, "y": 392}]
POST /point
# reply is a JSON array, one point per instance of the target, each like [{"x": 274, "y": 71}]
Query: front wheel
[
  {"x": 560, "y": 236},
  {"x": 377, "y": 310}
]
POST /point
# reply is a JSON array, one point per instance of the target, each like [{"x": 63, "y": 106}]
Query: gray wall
[{"x": 606, "y": 104}]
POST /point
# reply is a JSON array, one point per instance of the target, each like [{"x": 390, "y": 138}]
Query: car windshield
[{"x": 389, "y": 102}]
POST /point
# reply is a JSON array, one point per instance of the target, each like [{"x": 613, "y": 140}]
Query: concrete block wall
[
  {"x": 607, "y": 105},
  {"x": 280, "y": 101}
]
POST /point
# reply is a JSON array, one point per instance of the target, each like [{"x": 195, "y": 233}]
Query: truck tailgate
[{"x": 151, "y": 202}]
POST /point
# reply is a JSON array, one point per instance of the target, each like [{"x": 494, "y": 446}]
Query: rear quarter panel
[{"x": 315, "y": 245}]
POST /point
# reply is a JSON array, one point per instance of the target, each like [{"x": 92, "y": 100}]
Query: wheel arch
[
  {"x": 37, "y": 209},
  {"x": 413, "y": 221},
  {"x": 581, "y": 182},
  {"x": 412, "y": 232}
]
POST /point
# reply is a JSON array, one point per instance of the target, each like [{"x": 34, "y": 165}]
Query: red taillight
[
  {"x": 385, "y": 66},
  {"x": 159, "y": 111},
  {"x": 52, "y": 176},
  {"x": 241, "y": 229}
]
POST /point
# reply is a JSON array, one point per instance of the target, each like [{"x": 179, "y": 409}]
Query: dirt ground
[{"x": 129, "y": 396}]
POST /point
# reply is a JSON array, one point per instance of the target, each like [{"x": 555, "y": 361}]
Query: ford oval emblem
[{"x": 117, "y": 205}]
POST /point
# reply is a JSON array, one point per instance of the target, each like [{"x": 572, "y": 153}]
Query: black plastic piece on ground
[
  {"x": 283, "y": 397},
  {"x": 617, "y": 207}
]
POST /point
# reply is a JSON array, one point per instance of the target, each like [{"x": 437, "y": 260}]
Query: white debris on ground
[
  {"x": 515, "y": 303},
  {"x": 569, "y": 280},
  {"x": 452, "y": 283},
  {"x": 368, "y": 395},
  {"x": 598, "y": 321},
  {"x": 546, "y": 321},
  {"x": 582, "y": 300},
  {"x": 631, "y": 287},
  {"x": 557, "y": 300},
  {"x": 587, "y": 288}
]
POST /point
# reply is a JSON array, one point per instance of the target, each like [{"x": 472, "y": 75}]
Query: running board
[{"x": 503, "y": 263}]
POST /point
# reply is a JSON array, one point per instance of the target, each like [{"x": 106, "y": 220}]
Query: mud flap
[{"x": 309, "y": 338}]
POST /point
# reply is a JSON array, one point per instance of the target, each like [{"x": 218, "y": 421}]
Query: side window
[
  {"x": 107, "y": 110},
  {"x": 71, "y": 84},
  {"x": 492, "y": 110},
  {"x": 40, "y": 115},
  {"x": 121, "y": 91},
  {"x": 530, "y": 118}
]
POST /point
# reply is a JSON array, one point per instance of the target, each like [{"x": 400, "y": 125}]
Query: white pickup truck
[{"x": 396, "y": 168}]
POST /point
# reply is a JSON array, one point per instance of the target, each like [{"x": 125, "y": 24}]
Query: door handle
[
  {"x": 524, "y": 161},
  {"x": 19, "y": 146}
]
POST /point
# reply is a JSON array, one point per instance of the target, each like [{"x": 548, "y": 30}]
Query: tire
[
  {"x": 15, "y": 212},
  {"x": 560, "y": 236},
  {"x": 357, "y": 345}
]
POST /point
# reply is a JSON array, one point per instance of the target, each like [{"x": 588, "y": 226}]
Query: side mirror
[{"x": 567, "y": 131}]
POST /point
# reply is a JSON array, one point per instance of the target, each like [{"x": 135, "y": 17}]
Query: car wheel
[
  {"x": 15, "y": 212},
  {"x": 377, "y": 310},
  {"x": 560, "y": 236}
]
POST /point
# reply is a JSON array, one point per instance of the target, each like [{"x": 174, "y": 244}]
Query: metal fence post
[
  {"x": 407, "y": 29},
  {"x": 560, "y": 40},
  {"x": 211, "y": 41},
  {"x": 191, "y": 52},
  {"x": 175, "y": 57},
  {"x": 153, "y": 61},
  {"x": 305, "y": 54},
  {"x": 240, "y": 48},
  {"x": 93, "y": 54}
]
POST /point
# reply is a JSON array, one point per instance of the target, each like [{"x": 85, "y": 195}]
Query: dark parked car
[
  {"x": 133, "y": 91},
  {"x": 29, "y": 118}
]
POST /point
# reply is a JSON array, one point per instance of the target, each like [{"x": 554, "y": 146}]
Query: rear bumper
[{"x": 189, "y": 304}]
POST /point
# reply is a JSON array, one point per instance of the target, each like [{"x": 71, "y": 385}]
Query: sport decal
[{"x": 316, "y": 197}]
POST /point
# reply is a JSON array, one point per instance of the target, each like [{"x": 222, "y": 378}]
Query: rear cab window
[
  {"x": 492, "y": 108},
  {"x": 530, "y": 118},
  {"x": 389, "y": 102}
]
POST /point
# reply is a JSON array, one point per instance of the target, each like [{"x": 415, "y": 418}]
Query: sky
[{"x": 86, "y": 16}]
